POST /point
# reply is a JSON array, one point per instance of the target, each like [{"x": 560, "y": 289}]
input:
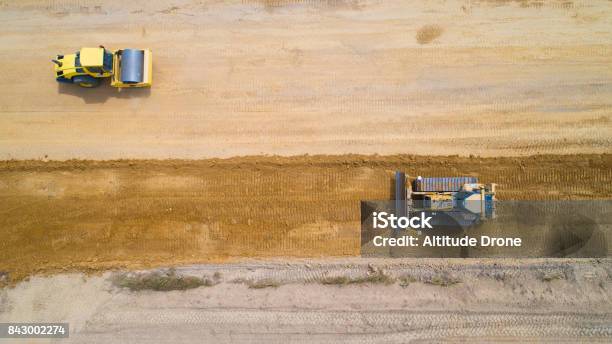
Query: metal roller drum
[{"x": 132, "y": 65}]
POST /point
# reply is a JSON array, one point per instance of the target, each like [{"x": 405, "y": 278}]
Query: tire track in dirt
[
  {"x": 365, "y": 326},
  {"x": 494, "y": 300}
]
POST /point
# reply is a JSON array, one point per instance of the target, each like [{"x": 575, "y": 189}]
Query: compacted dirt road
[
  {"x": 333, "y": 301},
  {"x": 236, "y": 78}
]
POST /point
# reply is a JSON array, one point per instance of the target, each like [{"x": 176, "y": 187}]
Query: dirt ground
[
  {"x": 276, "y": 119},
  {"x": 96, "y": 215},
  {"x": 535, "y": 301},
  {"x": 234, "y": 78}
]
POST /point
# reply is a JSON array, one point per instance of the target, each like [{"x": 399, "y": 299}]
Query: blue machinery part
[
  {"x": 132, "y": 66},
  {"x": 450, "y": 211}
]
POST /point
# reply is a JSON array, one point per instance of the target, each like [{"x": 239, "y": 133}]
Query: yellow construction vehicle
[{"x": 126, "y": 67}]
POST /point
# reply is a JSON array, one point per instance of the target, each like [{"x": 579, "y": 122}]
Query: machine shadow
[{"x": 102, "y": 93}]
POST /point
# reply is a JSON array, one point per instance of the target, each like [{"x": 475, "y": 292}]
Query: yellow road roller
[{"x": 125, "y": 67}]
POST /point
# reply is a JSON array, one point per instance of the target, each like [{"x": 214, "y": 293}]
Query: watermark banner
[
  {"x": 34, "y": 330},
  {"x": 580, "y": 229}
]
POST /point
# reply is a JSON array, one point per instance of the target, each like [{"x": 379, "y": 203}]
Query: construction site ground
[
  {"x": 267, "y": 123},
  {"x": 235, "y": 78},
  {"x": 299, "y": 301},
  {"x": 95, "y": 215}
]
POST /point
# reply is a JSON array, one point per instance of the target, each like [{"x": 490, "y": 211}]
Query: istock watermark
[
  {"x": 384, "y": 220},
  {"x": 517, "y": 229}
]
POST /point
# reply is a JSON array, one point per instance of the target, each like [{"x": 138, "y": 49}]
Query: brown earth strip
[{"x": 97, "y": 215}]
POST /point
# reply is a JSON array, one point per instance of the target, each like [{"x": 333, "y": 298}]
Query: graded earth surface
[
  {"x": 490, "y": 78},
  {"x": 245, "y": 164}
]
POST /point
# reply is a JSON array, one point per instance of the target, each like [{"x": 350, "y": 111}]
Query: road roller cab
[{"x": 126, "y": 67}]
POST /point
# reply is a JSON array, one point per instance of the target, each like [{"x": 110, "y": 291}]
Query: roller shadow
[{"x": 100, "y": 94}]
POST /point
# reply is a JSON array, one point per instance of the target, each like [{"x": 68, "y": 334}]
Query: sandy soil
[
  {"x": 492, "y": 301},
  {"x": 492, "y": 78},
  {"x": 449, "y": 81},
  {"x": 87, "y": 215}
]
